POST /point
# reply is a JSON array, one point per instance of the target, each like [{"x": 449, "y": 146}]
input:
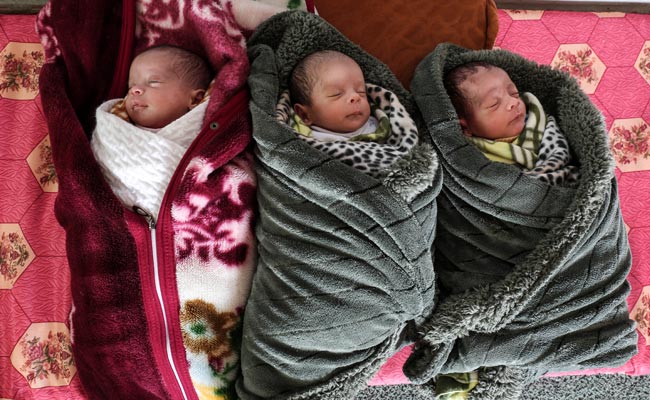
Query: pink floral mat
[
  {"x": 609, "y": 53},
  {"x": 35, "y": 357}
]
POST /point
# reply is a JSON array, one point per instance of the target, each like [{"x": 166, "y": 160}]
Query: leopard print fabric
[
  {"x": 553, "y": 162},
  {"x": 371, "y": 158}
]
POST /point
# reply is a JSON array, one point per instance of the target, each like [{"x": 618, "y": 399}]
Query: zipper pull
[{"x": 142, "y": 212}]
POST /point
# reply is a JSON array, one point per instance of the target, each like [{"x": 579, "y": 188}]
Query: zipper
[
  {"x": 239, "y": 101},
  {"x": 154, "y": 252}
]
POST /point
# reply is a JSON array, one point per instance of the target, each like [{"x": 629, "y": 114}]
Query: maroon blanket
[{"x": 126, "y": 345}]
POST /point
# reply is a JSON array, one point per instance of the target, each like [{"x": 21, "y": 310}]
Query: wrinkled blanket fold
[
  {"x": 532, "y": 276},
  {"x": 345, "y": 261}
]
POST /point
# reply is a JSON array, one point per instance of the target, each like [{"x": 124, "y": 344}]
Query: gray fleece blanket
[
  {"x": 531, "y": 276},
  {"x": 345, "y": 259}
]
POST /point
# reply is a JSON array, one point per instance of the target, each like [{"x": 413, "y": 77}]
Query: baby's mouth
[{"x": 137, "y": 106}]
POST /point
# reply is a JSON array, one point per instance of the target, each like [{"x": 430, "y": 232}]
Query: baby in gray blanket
[
  {"x": 337, "y": 112},
  {"x": 509, "y": 126}
]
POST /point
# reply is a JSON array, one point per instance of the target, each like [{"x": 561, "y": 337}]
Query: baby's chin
[
  {"x": 352, "y": 127},
  {"x": 136, "y": 119},
  {"x": 520, "y": 127},
  {"x": 145, "y": 121},
  {"x": 511, "y": 131}
]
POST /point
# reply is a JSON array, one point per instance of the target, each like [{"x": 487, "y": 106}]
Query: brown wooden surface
[{"x": 400, "y": 33}]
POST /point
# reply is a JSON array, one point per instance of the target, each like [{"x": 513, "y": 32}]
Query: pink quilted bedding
[
  {"x": 608, "y": 53},
  {"x": 35, "y": 357}
]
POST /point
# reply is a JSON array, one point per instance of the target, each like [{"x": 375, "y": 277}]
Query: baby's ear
[
  {"x": 303, "y": 113},
  {"x": 465, "y": 126},
  {"x": 197, "y": 96}
]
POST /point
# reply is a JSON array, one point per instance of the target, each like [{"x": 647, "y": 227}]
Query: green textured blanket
[
  {"x": 345, "y": 260},
  {"x": 531, "y": 276}
]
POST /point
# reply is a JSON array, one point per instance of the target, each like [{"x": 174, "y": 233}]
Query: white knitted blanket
[{"x": 138, "y": 163}]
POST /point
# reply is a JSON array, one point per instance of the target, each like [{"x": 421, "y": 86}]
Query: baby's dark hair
[
  {"x": 189, "y": 66},
  {"x": 455, "y": 77},
  {"x": 304, "y": 77}
]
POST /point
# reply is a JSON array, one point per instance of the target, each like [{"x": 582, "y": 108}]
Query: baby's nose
[
  {"x": 355, "y": 97},
  {"x": 136, "y": 89},
  {"x": 514, "y": 104}
]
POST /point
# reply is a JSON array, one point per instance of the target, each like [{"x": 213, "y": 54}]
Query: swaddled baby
[
  {"x": 330, "y": 106},
  {"x": 139, "y": 142},
  {"x": 509, "y": 126}
]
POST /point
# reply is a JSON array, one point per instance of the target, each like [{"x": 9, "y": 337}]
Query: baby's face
[
  {"x": 338, "y": 100},
  {"x": 495, "y": 109},
  {"x": 157, "y": 95}
]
